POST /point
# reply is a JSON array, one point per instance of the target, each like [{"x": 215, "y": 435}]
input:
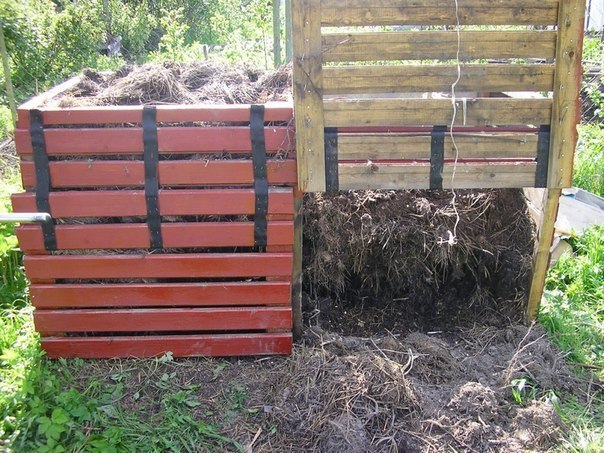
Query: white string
[{"x": 452, "y": 240}]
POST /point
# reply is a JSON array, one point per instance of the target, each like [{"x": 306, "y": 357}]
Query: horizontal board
[
  {"x": 273, "y": 112},
  {"x": 136, "y": 235},
  {"x": 179, "y": 345},
  {"x": 126, "y": 173},
  {"x": 438, "y": 45},
  {"x": 162, "y": 319},
  {"x": 410, "y": 146},
  {"x": 400, "y": 112},
  {"x": 160, "y": 294},
  {"x": 127, "y": 203},
  {"x": 129, "y": 140},
  {"x": 193, "y": 265},
  {"x": 417, "y": 176},
  {"x": 428, "y": 78},
  {"x": 347, "y": 13}
]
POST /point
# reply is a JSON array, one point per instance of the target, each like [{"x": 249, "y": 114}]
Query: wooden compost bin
[{"x": 107, "y": 288}]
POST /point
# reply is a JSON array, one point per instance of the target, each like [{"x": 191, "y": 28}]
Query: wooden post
[
  {"x": 10, "y": 92},
  {"x": 277, "y": 33},
  {"x": 288, "y": 31},
  {"x": 297, "y": 271},
  {"x": 566, "y": 110},
  {"x": 545, "y": 235},
  {"x": 308, "y": 95}
]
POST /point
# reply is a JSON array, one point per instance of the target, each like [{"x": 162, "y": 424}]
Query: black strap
[
  {"x": 542, "y": 156},
  {"x": 43, "y": 183},
  {"x": 437, "y": 157},
  {"x": 332, "y": 183},
  {"x": 260, "y": 179},
  {"x": 151, "y": 158}
]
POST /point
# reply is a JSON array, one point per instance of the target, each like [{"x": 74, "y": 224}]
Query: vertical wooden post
[
  {"x": 566, "y": 110},
  {"x": 545, "y": 235},
  {"x": 308, "y": 94},
  {"x": 277, "y": 33},
  {"x": 288, "y": 31},
  {"x": 297, "y": 271},
  {"x": 10, "y": 92}
]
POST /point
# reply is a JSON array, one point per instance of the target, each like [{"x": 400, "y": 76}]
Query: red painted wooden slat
[
  {"x": 101, "y": 173},
  {"x": 128, "y": 203},
  {"x": 178, "y": 345},
  {"x": 136, "y": 235},
  {"x": 194, "y": 265},
  {"x": 162, "y": 319},
  {"x": 160, "y": 294},
  {"x": 273, "y": 112},
  {"x": 118, "y": 140}
]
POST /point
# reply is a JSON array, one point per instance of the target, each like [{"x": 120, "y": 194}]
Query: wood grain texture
[
  {"x": 401, "y": 112},
  {"x": 566, "y": 111},
  {"x": 136, "y": 235},
  {"x": 178, "y": 345},
  {"x": 427, "y": 78},
  {"x": 434, "y": 12},
  {"x": 308, "y": 92},
  {"x": 191, "y": 265},
  {"x": 130, "y": 203},
  {"x": 131, "y": 173},
  {"x": 159, "y": 294},
  {"x": 439, "y": 45},
  {"x": 162, "y": 319}
]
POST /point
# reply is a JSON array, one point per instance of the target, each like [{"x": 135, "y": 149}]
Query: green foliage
[
  {"x": 589, "y": 159},
  {"x": 172, "y": 43},
  {"x": 593, "y": 50},
  {"x": 6, "y": 122},
  {"x": 134, "y": 22}
]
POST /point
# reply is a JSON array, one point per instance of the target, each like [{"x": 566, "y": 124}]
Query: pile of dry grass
[{"x": 369, "y": 247}]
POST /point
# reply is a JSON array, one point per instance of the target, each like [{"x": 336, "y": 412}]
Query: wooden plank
[
  {"x": 129, "y": 203},
  {"x": 417, "y": 176},
  {"x": 308, "y": 89},
  {"x": 400, "y": 112},
  {"x": 273, "y": 112},
  {"x": 348, "y": 13},
  {"x": 120, "y": 140},
  {"x": 136, "y": 235},
  {"x": 409, "y": 146},
  {"x": 542, "y": 253},
  {"x": 438, "y": 45},
  {"x": 160, "y": 294},
  {"x": 158, "y": 345},
  {"x": 566, "y": 112},
  {"x": 128, "y": 173},
  {"x": 427, "y": 78},
  {"x": 162, "y": 319},
  {"x": 193, "y": 265}
]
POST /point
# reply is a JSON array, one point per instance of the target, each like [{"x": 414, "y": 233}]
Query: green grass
[{"x": 589, "y": 159}]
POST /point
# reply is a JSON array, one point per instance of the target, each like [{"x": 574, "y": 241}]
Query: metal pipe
[{"x": 25, "y": 217}]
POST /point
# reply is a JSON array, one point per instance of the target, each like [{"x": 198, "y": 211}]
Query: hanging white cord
[{"x": 452, "y": 240}]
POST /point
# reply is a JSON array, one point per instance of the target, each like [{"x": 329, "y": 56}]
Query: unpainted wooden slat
[
  {"x": 566, "y": 111},
  {"x": 438, "y": 45},
  {"x": 408, "y": 146},
  {"x": 427, "y": 78},
  {"x": 400, "y": 112},
  {"x": 128, "y": 173},
  {"x": 159, "y": 294},
  {"x": 129, "y": 203},
  {"x": 308, "y": 92},
  {"x": 136, "y": 235},
  {"x": 191, "y": 265},
  {"x": 433, "y": 12},
  {"x": 162, "y": 319},
  {"x": 158, "y": 345}
]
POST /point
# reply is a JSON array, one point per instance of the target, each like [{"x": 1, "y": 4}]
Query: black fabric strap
[
  {"x": 43, "y": 183},
  {"x": 437, "y": 157},
  {"x": 332, "y": 183},
  {"x": 542, "y": 156},
  {"x": 260, "y": 179},
  {"x": 151, "y": 158}
]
